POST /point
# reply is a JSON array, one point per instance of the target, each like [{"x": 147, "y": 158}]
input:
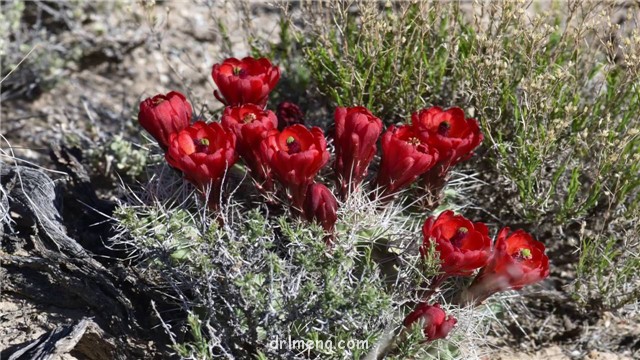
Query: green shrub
[
  {"x": 607, "y": 273},
  {"x": 557, "y": 103},
  {"x": 556, "y": 90}
]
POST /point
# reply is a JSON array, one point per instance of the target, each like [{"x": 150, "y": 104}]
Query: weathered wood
[
  {"x": 32, "y": 195},
  {"x": 54, "y": 269},
  {"x": 82, "y": 203},
  {"x": 83, "y": 338}
]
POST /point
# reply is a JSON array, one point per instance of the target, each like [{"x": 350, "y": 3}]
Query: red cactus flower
[
  {"x": 203, "y": 152},
  {"x": 320, "y": 205},
  {"x": 463, "y": 246},
  {"x": 436, "y": 324},
  {"x": 163, "y": 115},
  {"x": 295, "y": 156},
  {"x": 517, "y": 260},
  {"x": 251, "y": 125},
  {"x": 405, "y": 156},
  {"x": 454, "y": 136},
  {"x": 246, "y": 81},
  {"x": 357, "y": 131},
  {"x": 289, "y": 114}
]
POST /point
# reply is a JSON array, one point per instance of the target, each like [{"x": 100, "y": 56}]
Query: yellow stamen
[
  {"x": 414, "y": 141},
  {"x": 249, "y": 118}
]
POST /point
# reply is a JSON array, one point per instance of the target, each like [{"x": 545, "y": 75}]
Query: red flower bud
[
  {"x": 320, "y": 205},
  {"x": 295, "y": 156},
  {"x": 203, "y": 152},
  {"x": 405, "y": 156},
  {"x": 357, "y": 131},
  {"x": 246, "y": 81},
  {"x": 435, "y": 321},
  {"x": 251, "y": 125},
  {"x": 163, "y": 115},
  {"x": 289, "y": 114},
  {"x": 463, "y": 246},
  {"x": 517, "y": 260},
  {"x": 450, "y": 133}
]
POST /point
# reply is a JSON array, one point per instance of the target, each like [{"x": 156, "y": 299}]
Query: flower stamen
[
  {"x": 414, "y": 141},
  {"x": 249, "y": 118}
]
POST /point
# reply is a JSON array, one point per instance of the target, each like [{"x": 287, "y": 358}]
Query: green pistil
[
  {"x": 293, "y": 146},
  {"x": 202, "y": 145},
  {"x": 523, "y": 254},
  {"x": 237, "y": 70}
]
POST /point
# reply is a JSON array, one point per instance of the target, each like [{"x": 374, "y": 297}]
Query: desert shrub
[
  {"x": 111, "y": 158},
  {"x": 255, "y": 277},
  {"x": 555, "y": 89},
  {"x": 387, "y": 59},
  {"x": 608, "y": 267}
]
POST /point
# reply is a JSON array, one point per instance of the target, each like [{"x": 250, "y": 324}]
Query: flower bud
[
  {"x": 357, "y": 132},
  {"x": 289, "y": 114},
  {"x": 163, "y": 115},
  {"x": 320, "y": 205},
  {"x": 435, "y": 322}
]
